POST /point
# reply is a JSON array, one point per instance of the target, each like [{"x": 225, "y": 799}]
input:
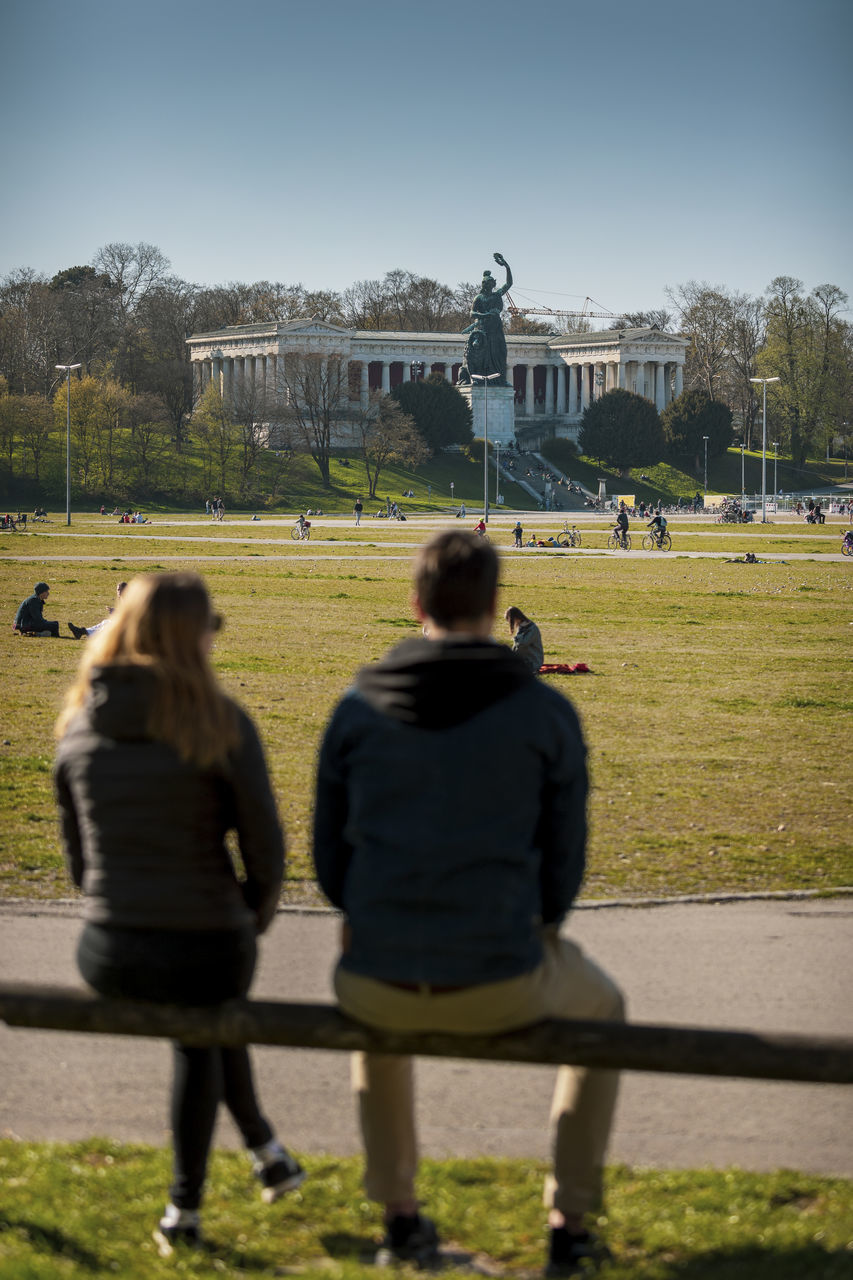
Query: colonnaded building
[{"x": 553, "y": 379}]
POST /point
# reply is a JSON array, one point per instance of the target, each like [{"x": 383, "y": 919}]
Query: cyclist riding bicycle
[
  {"x": 481, "y": 528},
  {"x": 621, "y": 525},
  {"x": 658, "y": 525}
]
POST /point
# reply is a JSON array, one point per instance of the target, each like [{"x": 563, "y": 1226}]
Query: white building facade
[{"x": 553, "y": 379}]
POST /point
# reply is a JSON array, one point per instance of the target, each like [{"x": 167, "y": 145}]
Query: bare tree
[
  {"x": 387, "y": 434},
  {"x": 313, "y": 399},
  {"x": 705, "y": 313}
]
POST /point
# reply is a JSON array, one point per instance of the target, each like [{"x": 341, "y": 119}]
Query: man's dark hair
[{"x": 456, "y": 577}]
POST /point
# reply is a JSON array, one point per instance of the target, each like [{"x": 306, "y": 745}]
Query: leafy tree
[
  {"x": 807, "y": 347},
  {"x": 215, "y": 428},
  {"x": 442, "y": 416},
  {"x": 387, "y": 434},
  {"x": 687, "y": 420},
  {"x": 89, "y": 414},
  {"x": 622, "y": 430}
]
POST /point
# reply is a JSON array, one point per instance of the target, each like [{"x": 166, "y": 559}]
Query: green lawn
[
  {"x": 715, "y": 713},
  {"x": 88, "y": 1209}
]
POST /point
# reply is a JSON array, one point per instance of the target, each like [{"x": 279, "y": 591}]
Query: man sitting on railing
[{"x": 454, "y": 904}]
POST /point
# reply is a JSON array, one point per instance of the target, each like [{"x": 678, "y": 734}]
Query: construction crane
[{"x": 584, "y": 314}]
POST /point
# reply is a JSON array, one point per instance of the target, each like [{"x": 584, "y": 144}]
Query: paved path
[{"x": 772, "y": 965}]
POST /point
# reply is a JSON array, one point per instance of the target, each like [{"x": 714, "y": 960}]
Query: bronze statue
[{"x": 485, "y": 350}]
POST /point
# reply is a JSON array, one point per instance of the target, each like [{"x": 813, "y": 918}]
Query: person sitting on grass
[
  {"x": 30, "y": 619},
  {"x": 526, "y": 639},
  {"x": 79, "y": 632}
]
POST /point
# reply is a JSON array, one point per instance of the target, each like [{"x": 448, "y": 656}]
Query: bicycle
[
  {"x": 619, "y": 542},
  {"x": 847, "y": 544},
  {"x": 301, "y": 533},
  {"x": 570, "y": 537},
  {"x": 651, "y": 542}
]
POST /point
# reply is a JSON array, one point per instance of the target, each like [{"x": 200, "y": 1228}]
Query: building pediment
[{"x": 313, "y": 328}]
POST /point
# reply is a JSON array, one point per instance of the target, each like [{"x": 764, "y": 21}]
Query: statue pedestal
[{"x": 500, "y": 407}]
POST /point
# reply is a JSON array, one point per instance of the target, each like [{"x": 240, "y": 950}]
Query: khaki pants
[{"x": 565, "y": 985}]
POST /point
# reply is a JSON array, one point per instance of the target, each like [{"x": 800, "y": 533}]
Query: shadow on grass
[
  {"x": 805, "y": 1262},
  {"x": 46, "y": 1240}
]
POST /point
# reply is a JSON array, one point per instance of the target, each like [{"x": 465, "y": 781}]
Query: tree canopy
[
  {"x": 622, "y": 430},
  {"x": 441, "y": 414},
  {"x": 691, "y": 417}
]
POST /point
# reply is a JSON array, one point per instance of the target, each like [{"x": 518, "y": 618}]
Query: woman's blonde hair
[{"x": 161, "y": 622}]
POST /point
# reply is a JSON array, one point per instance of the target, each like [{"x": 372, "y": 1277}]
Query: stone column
[
  {"x": 622, "y": 378},
  {"x": 528, "y": 392},
  {"x": 270, "y": 381},
  {"x": 386, "y": 376},
  {"x": 228, "y": 378},
  {"x": 679, "y": 380},
  {"x": 641, "y": 378},
  {"x": 365, "y": 384},
  {"x": 549, "y": 390},
  {"x": 561, "y": 390},
  {"x": 407, "y": 371},
  {"x": 216, "y": 373},
  {"x": 573, "y": 390},
  {"x": 448, "y": 371},
  {"x": 660, "y": 393},
  {"x": 585, "y": 370}
]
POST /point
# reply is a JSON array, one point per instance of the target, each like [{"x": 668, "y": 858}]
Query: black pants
[{"x": 185, "y": 968}]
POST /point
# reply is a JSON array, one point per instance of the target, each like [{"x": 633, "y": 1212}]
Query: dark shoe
[
  {"x": 77, "y": 632},
  {"x": 278, "y": 1171},
  {"x": 412, "y": 1239},
  {"x": 574, "y": 1255},
  {"x": 178, "y": 1228}
]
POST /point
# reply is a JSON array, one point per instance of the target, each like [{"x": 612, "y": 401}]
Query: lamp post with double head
[
  {"x": 66, "y": 368},
  {"x": 764, "y": 447},
  {"x": 485, "y": 378}
]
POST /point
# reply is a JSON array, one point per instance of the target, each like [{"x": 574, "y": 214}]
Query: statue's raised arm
[{"x": 502, "y": 262}]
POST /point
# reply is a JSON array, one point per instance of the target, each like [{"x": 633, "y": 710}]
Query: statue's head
[{"x": 488, "y": 281}]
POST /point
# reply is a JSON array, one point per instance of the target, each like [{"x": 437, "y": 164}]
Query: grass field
[
  {"x": 715, "y": 711},
  {"x": 88, "y": 1209}
]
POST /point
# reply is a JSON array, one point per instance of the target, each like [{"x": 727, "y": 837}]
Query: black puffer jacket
[
  {"x": 144, "y": 832},
  {"x": 450, "y": 816}
]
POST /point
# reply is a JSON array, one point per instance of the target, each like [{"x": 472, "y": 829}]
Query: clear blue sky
[{"x": 604, "y": 149}]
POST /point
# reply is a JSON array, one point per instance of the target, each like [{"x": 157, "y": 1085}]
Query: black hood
[
  {"x": 120, "y": 700},
  {"x": 436, "y": 684}
]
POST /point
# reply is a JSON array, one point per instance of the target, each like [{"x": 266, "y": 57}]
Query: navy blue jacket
[{"x": 450, "y": 813}]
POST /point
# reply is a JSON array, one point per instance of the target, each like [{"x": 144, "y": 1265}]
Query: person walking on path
[
  {"x": 30, "y": 619},
  {"x": 357, "y": 510},
  {"x": 453, "y": 909},
  {"x": 155, "y": 765}
]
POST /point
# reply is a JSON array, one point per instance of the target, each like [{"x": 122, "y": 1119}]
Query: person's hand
[{"x": 499, "y": 259}]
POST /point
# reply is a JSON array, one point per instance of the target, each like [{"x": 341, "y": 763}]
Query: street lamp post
[
  {"x": 497, "y": 472},
  {"x": 705, "y": 438},
  {"x": 764, "y": 448},
  {"x": 775, "y": 444},
  {"x": 66, "y": 368},
  {"x": 485, "y": 378},
  {"x": 742, "y": 484}
]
